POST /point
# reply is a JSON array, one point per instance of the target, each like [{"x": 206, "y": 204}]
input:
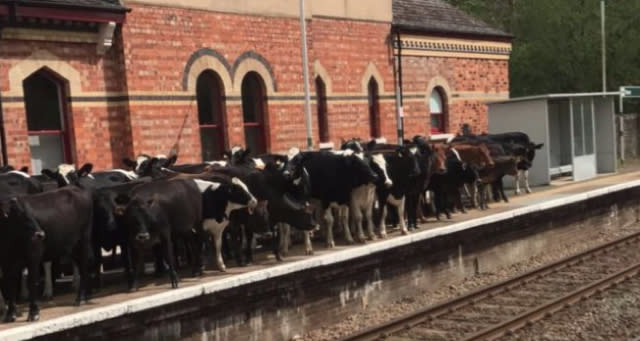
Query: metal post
[
  {"x": 399, "y": 96},
  {"x": 604, "y": 52},
  {"x": 305, "y": 73}
]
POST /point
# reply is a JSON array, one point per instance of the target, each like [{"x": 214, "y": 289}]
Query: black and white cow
[
  {"x": 332, "y": 178},
  {"x": 44, "y": 227},
  {"x": 364, "y": 197},
  {"x": 285, "y": 201},
  {"x": 403, "y": 168},
  {"x": 145, "y": 165}
]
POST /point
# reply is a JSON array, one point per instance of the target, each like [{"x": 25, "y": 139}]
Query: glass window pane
[
  {"x": 253, "y": 140},
  {"x": 435, "y": 102},
  {"x": 42, "y": 101},
  {"x": 588, "y": 127},
  {"x": 251, "y": 100},
  {"x": 46, "y": 152},
  {"x": 211, "y": 143},
  {"x": 578, "y": 140},
  {"x": 436, "y": 122}
]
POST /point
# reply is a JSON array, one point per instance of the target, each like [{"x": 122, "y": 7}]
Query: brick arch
[
  {"x": 252, "y": 61},
  {"x": 38, "y": 60},
  {"x": 372, "y": 72},
  {"x": 319, "y": 70},
  {"x": 206, "y": 59},
  {"x": 437, "y": 82}
]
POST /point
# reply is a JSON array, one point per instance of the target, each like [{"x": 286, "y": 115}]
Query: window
[
  {"x": 323, "y": 120},
  {"x": 254, "y": 106},
  {"x": 374, "y": 108},
  {"x": 45, "y": 95},
  {"x": 210, "y": 98},
  {"x": 437, "y": 107}
]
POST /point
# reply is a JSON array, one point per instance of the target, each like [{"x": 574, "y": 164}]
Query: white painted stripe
[{"x": 171, "y": 296}]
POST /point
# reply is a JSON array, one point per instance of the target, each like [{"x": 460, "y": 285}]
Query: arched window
[
  {"x": 254, "y": 111},
  {"x": 323, "y": 120},
  {"x": 45, "y": 97},
  {"x": 374, "y": 109},
  {"x": 211, "y": 117},
  {"x": 438, "y": 111}
]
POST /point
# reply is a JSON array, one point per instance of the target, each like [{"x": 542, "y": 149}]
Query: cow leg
[
  {"x": 285, "y": 238},
  {"x": 24, "y": 285},
  {"x": 526, "y": 181},
  {"x": 328, "y": 221},
  {"x": 10, "y": 282},
  {"x": 399, "y": 205},
  {"x": 75, "y": 283},
  {"x": 368, "y": 219},
  {"x": 33, "y": 278},
  {"x": 308, "y": 246},
  {"x": 412, "y": 209},
  {"x": 137, "y": 266},
  {"x": 217, "y": 232},
  {"x": 458, "y": 200},
  {"x": 195, "y": 251},
  {"x": 382, "y": 228},
  {"x": 518, "y": 182},
  {"x": 343, "y": 221},
  {"x": 248, "y": 250},
  {"x": 167, "y": 248},
  {"x": 501, "y": 189},
  {"x": 356, "y": 220}
]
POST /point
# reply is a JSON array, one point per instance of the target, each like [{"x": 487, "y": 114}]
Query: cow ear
[
  {"x": 85, "y": 170},
  {"x": 171, "y": 160},
  {"x": 371, "y": 144},
  {"x": 24, "y": 169},
  {"x": 129, "y": 163},
  {"x": 538, "y": 146},
  {"x": 226, "y": 154}
]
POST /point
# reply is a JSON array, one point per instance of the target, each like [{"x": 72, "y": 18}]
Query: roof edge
[
  {"x": 421, "y": 30},
  {"x": 35, "y": 3}
]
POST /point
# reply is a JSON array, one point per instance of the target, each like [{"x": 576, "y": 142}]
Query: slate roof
[
  {"x": 438, "y": 16},
  {"x": 105, "y": 5}
]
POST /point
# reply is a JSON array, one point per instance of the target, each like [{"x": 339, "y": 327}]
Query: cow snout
[
  {"x": 388, "y": 183},
  {"x": 143, "y": 236},
  {"x": 39, "y": 235},
  {"x": 119, "y": 211},
  {"x": 253, "y": 203}
]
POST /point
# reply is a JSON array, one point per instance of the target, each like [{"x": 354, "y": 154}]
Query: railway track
[{"x": 499, "y": 310}]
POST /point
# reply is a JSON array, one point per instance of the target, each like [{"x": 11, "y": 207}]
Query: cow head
[
  {"x": 354, "y": 144},
  {"x": 145, "y": 165},
  {"x": 439, "y": 158},
  {"x": 360, "y": 170},
  {"x": 66, "y": 175},
  {"x": 379, "y": 165},
  {"x": 138, "y": 216},
  {"x": 17, "y": 215}
]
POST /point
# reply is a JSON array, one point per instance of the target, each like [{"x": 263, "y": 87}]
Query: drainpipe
[
  {"x": 3, "y": 140},
  {"x": 305, "y": 74},
  {"x": 398, "y": 78}
]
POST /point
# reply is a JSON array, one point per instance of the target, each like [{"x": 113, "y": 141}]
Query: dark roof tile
[
  {"x": 110, "y": 5},
  {"x": 439, "y": 16}
]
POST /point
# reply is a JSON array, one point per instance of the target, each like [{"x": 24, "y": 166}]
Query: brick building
[{"x": 97, "y": 80}]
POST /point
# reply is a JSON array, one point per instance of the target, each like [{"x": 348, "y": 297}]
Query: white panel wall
[
  {"x": 529, "y": 117},
  {"x": 605, "y": 135}
]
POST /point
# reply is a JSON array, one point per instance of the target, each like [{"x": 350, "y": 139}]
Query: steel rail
[{"x": 431, "y": 313}]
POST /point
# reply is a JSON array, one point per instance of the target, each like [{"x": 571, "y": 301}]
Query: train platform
[{"x": 113, "y": 302}]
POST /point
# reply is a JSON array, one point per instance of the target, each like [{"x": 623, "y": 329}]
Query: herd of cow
[{"x": 179, "y": 212}]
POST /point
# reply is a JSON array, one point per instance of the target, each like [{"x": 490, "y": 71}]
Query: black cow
[
  {"x": 45, "y": 227},
  {"x": 446, "y": 187},
  {"x": 15, "y": 182},
  {"x": 160, "y": 211},
  {"x": 332, "y": 178}
]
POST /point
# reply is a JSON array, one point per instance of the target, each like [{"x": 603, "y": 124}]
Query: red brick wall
[
  {"x": 152, "y": 50},
  {"x": 473, "y": 77},
  {"x": 99, "y": 132}
]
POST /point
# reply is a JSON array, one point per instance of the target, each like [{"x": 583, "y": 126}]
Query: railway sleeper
[
  {"x": 454, "y": 326},
  {"x": 421, "y": 333},
  {"x": 481, "y": 319},
  {"x": 506, "y": 308}
]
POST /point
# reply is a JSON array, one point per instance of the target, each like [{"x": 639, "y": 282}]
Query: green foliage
[{"x": 557, "y": 43}]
